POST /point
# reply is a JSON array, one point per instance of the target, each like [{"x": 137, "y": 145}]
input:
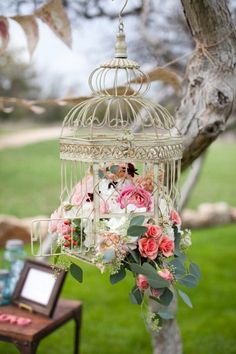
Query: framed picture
[{"x": 38, "y": 288}]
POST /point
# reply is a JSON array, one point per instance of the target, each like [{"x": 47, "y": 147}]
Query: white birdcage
[{"x": 120, "y": 157}]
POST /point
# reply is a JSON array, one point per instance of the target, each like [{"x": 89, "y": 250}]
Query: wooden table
[{"x": 27, "y": 338}]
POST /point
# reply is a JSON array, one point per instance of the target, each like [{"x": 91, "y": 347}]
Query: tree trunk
[{"x": 207, "y": 102}]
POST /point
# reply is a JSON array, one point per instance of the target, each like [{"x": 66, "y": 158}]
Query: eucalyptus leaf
[
  {"x": 101, "y": 174},
  {"x": 137, "y": 220},
  {"x": 134, "y": 255},
  {"x": 185, "y": 298},
  {"x": 115, "y": 278},
  {"x": 166, "y": 297},
  {"x": 177, "y": 238},
  {"x": 136, "y": 230},
  {"x": 180, "y": 270},
  {"x": 136, "y": 296},
  {"x": 190, "y": 281},
  {"x": 194, "y": 270},
  {"x": 166, "y": 315},
  {"x": 76, "y": 272},
  {"x": 114, "y": 168}
]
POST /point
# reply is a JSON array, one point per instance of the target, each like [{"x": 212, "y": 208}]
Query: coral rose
[
  {"x": 148, "y": 247},
  {"x": 134, "y": 195},
  {"x": 142, "y": 282},
  {"x": 154, "y": 231},
  {"x": 175, "y": 218},
  {"x": 166, "y": 246},
  {"x": 166, "y": 274}
]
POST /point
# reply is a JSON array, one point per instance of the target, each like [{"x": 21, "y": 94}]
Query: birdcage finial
[{"x": 121, "y": 47}]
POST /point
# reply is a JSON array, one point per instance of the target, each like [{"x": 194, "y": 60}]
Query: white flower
[
  {"x": 132, "y": 207},
  {"x": 115, "y": 224},
  {"x": 186, "y": 241},
  {"x": 170, "y": 233},
  {"x": 132, "y": 242}
]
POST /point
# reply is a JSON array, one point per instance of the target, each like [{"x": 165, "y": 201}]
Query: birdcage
[{"x": 120, "y": 157}]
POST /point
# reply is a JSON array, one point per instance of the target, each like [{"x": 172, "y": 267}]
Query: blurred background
[{"x": 30, "y": 167}]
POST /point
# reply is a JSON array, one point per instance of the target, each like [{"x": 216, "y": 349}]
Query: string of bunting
[{"x": 52, "y": 13}]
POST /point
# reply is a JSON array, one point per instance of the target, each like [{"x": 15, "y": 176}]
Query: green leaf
[
  {"x": 135, "y": 230},
  {"x": 114, "y": 168},
  {"x": 134, "y": 255},
  {"x": 115, "y": 278},
  {"x": 76, "y": 222},
  {"x": 185, "y": 298},
  {"x": 154, "y": 279},
  {"x": 166, "y": 297},
  {"x": 137, "y": 220},
  {"x": 76, "y": 272},
  {"x": 56, "y": 257},
  {"x": 179, "y": 267},
  {"x": 136, "y": 296},
  {"x": 177, "y": 239},
  {"x": 190, "y": 281},
  {"x": 101, "y": 174},
  {"x": 166, "y": 315},
  {"x": 194, "y": 270}
]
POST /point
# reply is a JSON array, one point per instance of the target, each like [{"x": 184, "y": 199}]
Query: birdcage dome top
[{"x": 118, "y": 115}]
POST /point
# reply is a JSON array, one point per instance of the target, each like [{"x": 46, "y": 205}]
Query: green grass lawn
[{"x": 30, "y": 185}]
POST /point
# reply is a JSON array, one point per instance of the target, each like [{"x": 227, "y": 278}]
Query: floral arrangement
[{"x": 129, "y": 238}]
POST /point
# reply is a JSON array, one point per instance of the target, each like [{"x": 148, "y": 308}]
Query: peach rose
[
  {"x": 166, "y": 246},
  {"x": 142, "y": 282},
  {"x": 148, "y": 247},
  {"x": 135, "y": 195},
  {"x": 175, "y": 218},
  {"x": 166, "y": 274},
  {"x": 154, "y": 231}
]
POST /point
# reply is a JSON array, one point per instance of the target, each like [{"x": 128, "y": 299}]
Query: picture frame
[{"x": 38, "y": 288}]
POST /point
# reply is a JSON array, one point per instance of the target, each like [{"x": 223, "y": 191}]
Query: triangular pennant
[
  {"x": 30, "y": 28},
  {"x": 4, "y": 33},
  {"x": 54, "y": 15}
]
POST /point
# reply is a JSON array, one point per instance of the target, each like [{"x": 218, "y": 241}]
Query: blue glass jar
[
  {"x": 13, "y": 260},
  {"x": 4, "y": 287}
]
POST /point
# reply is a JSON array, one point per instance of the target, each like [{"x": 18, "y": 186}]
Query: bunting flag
[
  {"x": 30, "y": 28},
  {"x": 4, "y": 33},
  {"x": 54, "y": 15}
]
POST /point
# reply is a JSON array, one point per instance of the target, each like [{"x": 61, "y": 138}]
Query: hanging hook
[
  {"x": 123, "y": 8},
  {"x": 121, "y": 24}
]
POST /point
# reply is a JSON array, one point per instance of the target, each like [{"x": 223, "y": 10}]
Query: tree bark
[
  {"x": 207, "y": 102},
  {"x": 209, "y": 96}
]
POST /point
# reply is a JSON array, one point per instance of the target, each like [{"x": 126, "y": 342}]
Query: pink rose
[
  {"x": 175, "y": 218},
  {"x": 142, "y": 282},
  {"x": 148, "y": 247},
  {"x": 54, "y": 220},
  {"x": 82, "y": 190},
  {"x": 135, "y": 195},
  {"x": 166, "y": 246},
  {"x": 154, "y": 231},
  {"x": 104, "y": 207},
  {"x": 63, "y": 227},
  {"x": 155, "y": 292},
  {"x": 166, "y": 274}
]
